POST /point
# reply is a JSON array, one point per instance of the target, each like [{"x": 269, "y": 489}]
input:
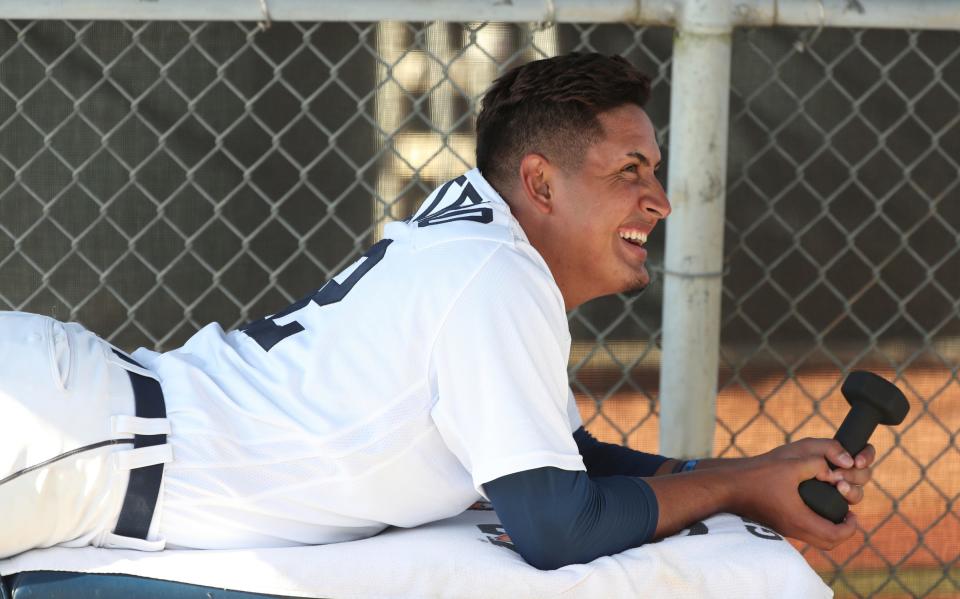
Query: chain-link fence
[
  {"x": 158, "y": 176},
  {"x": 842, "y": 244}
]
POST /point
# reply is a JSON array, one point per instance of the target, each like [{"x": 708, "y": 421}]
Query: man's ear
[{"x": 535, "y": 171}]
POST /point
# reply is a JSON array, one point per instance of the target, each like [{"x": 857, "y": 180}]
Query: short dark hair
[{"x": 550, "y": 106}]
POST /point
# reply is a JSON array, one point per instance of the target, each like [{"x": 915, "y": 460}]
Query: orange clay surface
[{"x": 910, "y": 516}]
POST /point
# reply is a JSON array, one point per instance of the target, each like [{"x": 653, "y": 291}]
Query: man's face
[{"x": 606, "y": 209}]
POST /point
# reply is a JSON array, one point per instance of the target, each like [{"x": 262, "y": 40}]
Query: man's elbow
[
  {"x": 547, "y": 555},
  {"x": 548, "y": 545}
]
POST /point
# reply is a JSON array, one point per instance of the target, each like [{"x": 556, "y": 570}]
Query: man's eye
[{"x": 631, "y": 168}]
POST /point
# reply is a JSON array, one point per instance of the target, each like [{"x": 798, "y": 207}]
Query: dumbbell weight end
[
  {"x": 873, "y": 400},
  {"x": 824, "y": 499}
]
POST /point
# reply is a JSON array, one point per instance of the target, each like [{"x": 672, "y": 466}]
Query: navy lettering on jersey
[
  {"x": 268, "y": 333},
  {"x": 457, "y": 210}
]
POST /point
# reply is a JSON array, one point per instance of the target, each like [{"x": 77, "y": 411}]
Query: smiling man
[
  {"x": 569, "y": 147},
  {"x": 430, "y": 373}
]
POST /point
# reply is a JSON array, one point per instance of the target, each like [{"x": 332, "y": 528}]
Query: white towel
[{"x": 466, "y": 557}]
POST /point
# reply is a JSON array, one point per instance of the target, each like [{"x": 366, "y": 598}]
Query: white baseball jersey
[{"x": 435, "y": 363}]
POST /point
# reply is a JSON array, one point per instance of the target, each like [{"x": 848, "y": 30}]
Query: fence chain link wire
[
  {"x": 843, "y": 254},
  {"x": 155, "y": 177}
]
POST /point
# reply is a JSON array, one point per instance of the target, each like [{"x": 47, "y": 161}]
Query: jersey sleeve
[{"x": 499, "y": 363}]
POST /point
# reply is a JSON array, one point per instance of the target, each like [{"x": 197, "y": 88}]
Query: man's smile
[{"x": 634, "y": 236}]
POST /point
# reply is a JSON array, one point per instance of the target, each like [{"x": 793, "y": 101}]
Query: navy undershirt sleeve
[
  {"x": 558, "y": 517},
  {"x": 607, "y": 459}
]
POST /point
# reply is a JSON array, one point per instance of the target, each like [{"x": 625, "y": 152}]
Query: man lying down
[{"x": 429, "y": 374}]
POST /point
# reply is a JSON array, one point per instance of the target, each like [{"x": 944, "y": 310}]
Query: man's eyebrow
[{"x": 643, "y": 159}]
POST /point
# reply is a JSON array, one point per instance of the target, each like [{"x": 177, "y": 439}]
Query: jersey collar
[{"x": 496, "y": 200}]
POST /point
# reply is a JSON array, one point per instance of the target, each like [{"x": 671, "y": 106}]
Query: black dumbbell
[{"x": 873, "y": 400}]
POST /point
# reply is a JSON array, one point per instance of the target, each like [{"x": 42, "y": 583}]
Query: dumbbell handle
[
  {"x": 856, "y": 428},
  {"x": 853, "y": 435}
]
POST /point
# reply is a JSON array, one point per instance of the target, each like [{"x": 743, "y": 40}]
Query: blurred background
[{"x": 157, "y": 176}]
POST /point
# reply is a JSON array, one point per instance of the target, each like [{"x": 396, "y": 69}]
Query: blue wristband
[{"x": 687, "y": 466}]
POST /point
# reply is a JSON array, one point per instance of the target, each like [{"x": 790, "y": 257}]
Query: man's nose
[{"x": 655, "y": 201}]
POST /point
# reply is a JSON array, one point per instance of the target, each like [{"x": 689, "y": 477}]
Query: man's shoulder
[
  {"x": 481, "y": 270},
  {"x": 464, "y": 228},
  {"x": 459, "y": 251}
]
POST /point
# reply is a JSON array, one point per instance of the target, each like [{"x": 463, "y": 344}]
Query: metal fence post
[{"x": 699, "y": 108}]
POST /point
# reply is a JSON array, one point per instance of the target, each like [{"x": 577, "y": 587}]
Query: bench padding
[{"x": 466, "y": 556}]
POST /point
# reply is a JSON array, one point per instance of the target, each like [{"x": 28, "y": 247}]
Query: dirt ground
[{"x": 910, "y": 516}]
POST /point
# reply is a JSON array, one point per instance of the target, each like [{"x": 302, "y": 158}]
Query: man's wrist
[
  {"x": 710, "y": 463},
  {"x": 684, "y": 466}
]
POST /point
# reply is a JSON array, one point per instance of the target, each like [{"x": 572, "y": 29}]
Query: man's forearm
[
  {"x": 696, "y": 494},
  {"x": 702, "y": 464},
  {"x": 692, "y": 496},
  {"x": 608, "y": 459}
]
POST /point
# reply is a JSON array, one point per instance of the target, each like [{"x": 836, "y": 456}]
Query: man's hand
[
  {"x": 852, "y": 473},
  {"x": 770, "y": 496},
  {"x": 781, "y": 507},
  {"x": 764, "y": 489}
]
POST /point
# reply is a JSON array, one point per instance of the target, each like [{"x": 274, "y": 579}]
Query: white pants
[{"x": 62, "y": 388}]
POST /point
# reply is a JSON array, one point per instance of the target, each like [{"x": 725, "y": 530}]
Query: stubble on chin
[
  {"x": 639, "y": 283},
  {"x": 638, "y": 288}
]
